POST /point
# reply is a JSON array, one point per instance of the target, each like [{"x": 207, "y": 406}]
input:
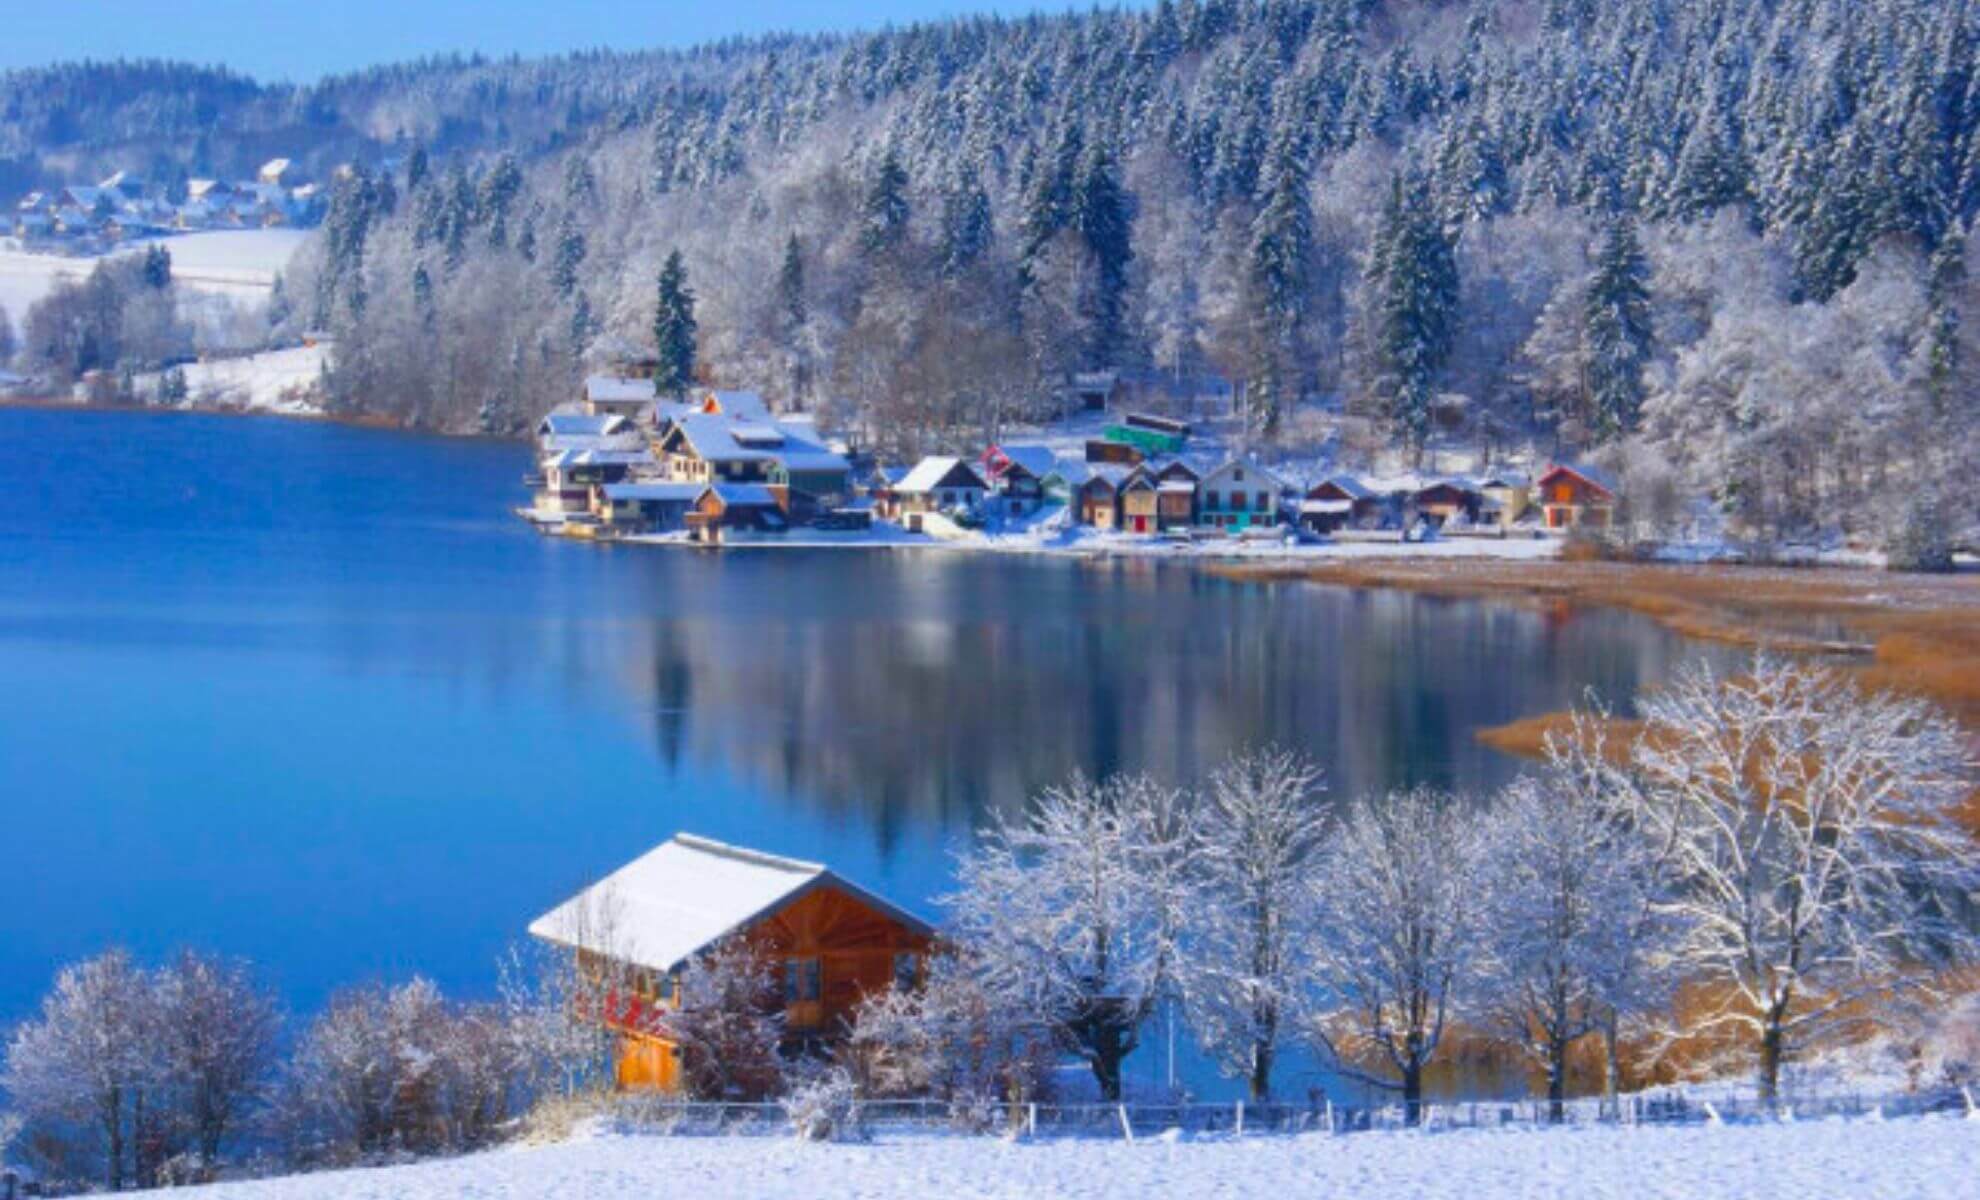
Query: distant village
[
  {"x": 717, "y": 467},
  {"x": 123, "y": 207}
]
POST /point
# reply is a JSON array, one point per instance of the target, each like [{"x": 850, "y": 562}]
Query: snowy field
[
  {"x": 238, "y": 263},
  {"x": 1922, "y": 1158},
  {"x": 278, "y": 381}
]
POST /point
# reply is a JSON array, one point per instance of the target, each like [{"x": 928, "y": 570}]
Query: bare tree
[
  {"x": 950, "y": 1037},
  {"x": 1072, "y": 912},
  {"x": 1398, "y": 909},
  {"x": 1812, "y": 827},
  {"x": 1261, "y": 833},
  {"x": 218, "y": 1031}
]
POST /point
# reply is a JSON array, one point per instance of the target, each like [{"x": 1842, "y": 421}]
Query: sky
[{"x": 299, "y": 42}]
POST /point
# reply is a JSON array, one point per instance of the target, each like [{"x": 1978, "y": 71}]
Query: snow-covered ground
[
  {"x": 1921, "y": 1158},
  {"x": 238, "y": 263},
  {"x": 277, "y": 381}
]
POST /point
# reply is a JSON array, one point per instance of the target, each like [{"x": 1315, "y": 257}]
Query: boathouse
[
  {"x": 1576, "y": 497},
  {"x": 833, "y": 942}
]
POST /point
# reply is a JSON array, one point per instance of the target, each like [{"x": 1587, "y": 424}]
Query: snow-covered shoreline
[{"x": 1923, "y": 1158}]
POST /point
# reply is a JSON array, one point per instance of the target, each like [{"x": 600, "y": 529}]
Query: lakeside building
[
  {"x": 85, "y": 219},
  {"x": 1577, "y": 497},
  {"x": 832, "y": 943}
]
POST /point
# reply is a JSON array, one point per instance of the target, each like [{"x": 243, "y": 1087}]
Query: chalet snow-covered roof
[
  {"x": 933, "y": 472},
  {"x": 718, "y": 438},
  {"x": 743, "y": 495},
  {"x": 1325, "y": 506},
  {"x": 1599, "y": 478},
  {"x": 616, "y": 389},
  {"x": 1232, "y": 466},
  {"x": 1036, "y": 459},
  {"x": 684, "y": 895},
  {"x": 1347, "y": 485},
  {"x": 1177, "y": 487},
  {"x": 741, "y": 405},
  {"x": 576, "y": 424}
]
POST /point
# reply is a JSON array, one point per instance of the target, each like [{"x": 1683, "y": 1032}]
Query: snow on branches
[{"x": 1811, "y": 826}]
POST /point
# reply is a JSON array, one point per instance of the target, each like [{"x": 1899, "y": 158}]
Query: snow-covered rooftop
[
  {"x": 929, "y": 473},
  {"x": 616, "y": 389},
  {"x": 681, "y": 897}
]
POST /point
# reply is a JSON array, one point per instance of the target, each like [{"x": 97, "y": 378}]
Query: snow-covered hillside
[
  {"x": 238, "y": 263},
  {"x": 1918, "y": 1158}
]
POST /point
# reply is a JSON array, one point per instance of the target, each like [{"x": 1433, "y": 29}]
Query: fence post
[
  {"x": 1031, "y": 1120},
  {"x": 1127, "y": 1130},
  {"x": 1240, "y": 1118},
  {"x": 1330, "y": 1114}
]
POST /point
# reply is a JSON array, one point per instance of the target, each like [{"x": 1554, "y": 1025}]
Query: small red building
[{"x": 1576, "y": 497}]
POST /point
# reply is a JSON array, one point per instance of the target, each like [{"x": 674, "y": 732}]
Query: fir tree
[
  {"x": 790, "y": 287},
  {"x": 1415, "y": 278},
  {"x": 157, "y": 272},
  {"x": 1280, "y": 270},
  {"x": 1100, "y": 214},
  {"x": 1616, "y": 330},
  {"x": 883, "y": 213},
  {"x": 674, "y": 330},
  {"x": 967, "y": 228},
  {"x": 567, "y": 257}
]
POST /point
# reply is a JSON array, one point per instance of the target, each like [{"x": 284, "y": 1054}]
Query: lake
[{"x": 310, "y": 695}]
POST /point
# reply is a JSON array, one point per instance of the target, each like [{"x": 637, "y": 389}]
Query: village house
[
  {"x": 939, "y": 484},
  {"x": 645, "y": 507},
  {"x": 625, "y": 396},
  {"x": 1576, "y": 497},
  {"x": 1239, "y": 495},
  {"x": 832, "y": 943},
  {"x": 1099, "y": 496},
  {"x": 1140, "y": 503},
  {"x": 1446, "y": 502},
  {"x": 1336, "y": 503},
  {"x": 711, "y": 447},
  {"x": 1016, "y": 474},
  {"x": 1506, "y": 497},
  {"x": 724, "y": 510}
]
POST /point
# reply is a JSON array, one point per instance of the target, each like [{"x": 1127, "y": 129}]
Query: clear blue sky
[{"x": 282, "y": 39}]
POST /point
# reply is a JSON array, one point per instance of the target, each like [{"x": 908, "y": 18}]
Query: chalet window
[
  {"x": 801, "y": 980},
  {"x": 1211, "y": 500},
  {"x": 906, "y": 968},
  {"x": 1264, "y": 502},
  {"x": 1238, "y": 475}
]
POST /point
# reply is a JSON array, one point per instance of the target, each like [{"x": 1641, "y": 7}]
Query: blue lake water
[{"x": 308, "y": 694}]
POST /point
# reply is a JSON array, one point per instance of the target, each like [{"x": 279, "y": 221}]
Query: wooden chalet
[
  {"x": 1140, "y": 503},
  {"x": 940, "y": 484},
  {"x": 723, "y": 510},
  {"x": 645, "y": 507},
  {"x": 1447, "y": 501},
  {"x": 1576, "y": 497},
  {"x": 628, "y": 396},
  {"x": 1016, "y": 474},
  {"x": 833, "y": 943},
  {"x": 1238, "y": 495},
  {"x": 1175, "y": 492},
  {"x": 1098, "y": 498},
  {"x": 1505, "y": 495},
  {"x": 711, "y": 447},
  {"x": 1336, "y": 503}
]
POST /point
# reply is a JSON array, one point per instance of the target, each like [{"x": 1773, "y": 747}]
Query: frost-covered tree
[
  {"x": 1073, "y": 911},
  {"x": 1246, "y": 980},
  {"x": 217, "y": 1030},
  {"x": 87, "y": 1059},
  {"x": 674, "y": 329},
  {"x": 952, "y": 1038},
  {"x": 728, "y": 1023},
  {"x": 9, "y": 343},
  {"x": 1399, "y": 906},
  {"x": 1813, "y": 827}
]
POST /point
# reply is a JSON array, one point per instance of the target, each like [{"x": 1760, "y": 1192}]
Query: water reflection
[{"x": 307, "y": 694}]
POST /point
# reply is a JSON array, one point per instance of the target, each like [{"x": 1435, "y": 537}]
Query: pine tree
[
  {"x": 1100, "y": 215},
  {"x": 416, "y": 169},
  {"x": 674, "y": 330},
  {"x": 790, "y": 286},
  {"x": 567, "y": 257},
  {"x": 967, "y": 228},
  {"x": 1415, "y": 278},
  {"x": 883, "y": 213},
  {"x": 1616, "y": 330},
  {"x": 1280, "y": 265}
]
